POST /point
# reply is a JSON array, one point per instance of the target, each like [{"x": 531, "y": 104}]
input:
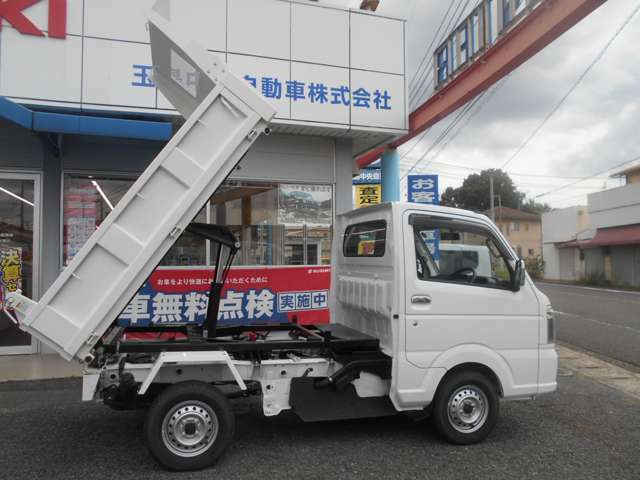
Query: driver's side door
[{"x": 444, "y": 309}]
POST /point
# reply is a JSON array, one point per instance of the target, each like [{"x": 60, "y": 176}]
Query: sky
[{"x": 597, "y": 126}]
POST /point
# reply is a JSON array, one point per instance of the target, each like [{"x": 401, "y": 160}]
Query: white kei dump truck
[{"x": 411, "y": 331}]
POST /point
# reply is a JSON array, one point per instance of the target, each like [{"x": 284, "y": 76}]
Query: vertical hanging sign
[{"x": 424, "y": 189}]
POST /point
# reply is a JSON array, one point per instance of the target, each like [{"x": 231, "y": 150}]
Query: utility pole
[{"x": 493, "y": 213}]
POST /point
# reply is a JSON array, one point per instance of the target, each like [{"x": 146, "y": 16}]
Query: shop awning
[
  {"x": 83, "y": 124},
  {"x": 608, "y": 237},
  {"x": 627, "y": 235}
]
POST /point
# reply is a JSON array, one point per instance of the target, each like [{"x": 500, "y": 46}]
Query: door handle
[{"x": 421, "y": 299}]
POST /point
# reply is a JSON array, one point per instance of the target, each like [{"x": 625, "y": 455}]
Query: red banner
[{"x": 253, "y": 295}]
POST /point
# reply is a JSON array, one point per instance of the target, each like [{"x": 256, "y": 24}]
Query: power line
[
  {"x": 516, "y": 174},
  {"x": 519, "y": 184},
  {"x": 443, "y": 134},
  {"x": 573, "y": 87},
  {"x": 471, "y": 116},
  {"x": 417, "y": 94},
  {"x": 418, "y": 77},
  {"x": 587, "y": 178},
  {"x": 424, "y": 134},
  {"x": 426, "y": 55},
  {"x": 564, "y": 199}
]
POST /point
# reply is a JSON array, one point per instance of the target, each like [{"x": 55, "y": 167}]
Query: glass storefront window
[
  {"x": 277, "y": 224},
  {"x": 87, "y": 202},
  {"x": 17, "y": 203}
]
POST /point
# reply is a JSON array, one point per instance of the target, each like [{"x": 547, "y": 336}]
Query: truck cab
[{"x": 485, "y": 315}]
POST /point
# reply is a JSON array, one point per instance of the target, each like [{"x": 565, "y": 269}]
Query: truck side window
[
  {"x": 460, "y": 252},
  {"x": 365, "y": 239}
]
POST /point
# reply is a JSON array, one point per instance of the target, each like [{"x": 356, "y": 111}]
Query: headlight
[{"x": 551, "y": 325}]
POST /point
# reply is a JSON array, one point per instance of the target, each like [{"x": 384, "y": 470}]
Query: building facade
[
  {"x": 80, "y": 119},
  {"x": 522, "y": 229},
  {"x": 561, "y": 228},
  {"x": 599, "y": 243}
]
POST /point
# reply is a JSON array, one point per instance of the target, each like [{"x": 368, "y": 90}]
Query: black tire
[
  {"x": 191, "y": 405},
  {"x": 451, "y": 419}
]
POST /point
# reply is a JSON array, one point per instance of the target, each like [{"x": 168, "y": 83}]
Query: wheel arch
[
  {"x": 478, "y": 358},
  {"x": 474, "y": 367}
]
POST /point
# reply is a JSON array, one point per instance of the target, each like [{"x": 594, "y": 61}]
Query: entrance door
[{"x": 19, "y": 233}]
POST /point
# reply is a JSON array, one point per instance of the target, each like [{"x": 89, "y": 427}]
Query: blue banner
[
  {"x": 423, "y": 189},
  {"x": 368, "y": 176}
]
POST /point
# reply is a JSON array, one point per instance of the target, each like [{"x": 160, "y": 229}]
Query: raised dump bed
[{"x": 224, "y": 116}]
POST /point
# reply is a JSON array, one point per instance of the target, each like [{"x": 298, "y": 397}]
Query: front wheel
[
  {"x": 189, "y": 425},
  {"x": 465, "y": 408}
]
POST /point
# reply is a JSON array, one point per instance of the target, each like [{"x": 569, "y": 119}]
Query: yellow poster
[
  {"x": 10, "y": 271},
  {"x": 368, "y": 195}
]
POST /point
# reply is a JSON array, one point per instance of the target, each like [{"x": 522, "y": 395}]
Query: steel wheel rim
[
  {"x": 190, "y": 428},
  {"x": 468, "y": 409}
]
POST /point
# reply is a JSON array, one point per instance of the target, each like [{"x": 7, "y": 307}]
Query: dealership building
[{"x": 80, "y": 119}]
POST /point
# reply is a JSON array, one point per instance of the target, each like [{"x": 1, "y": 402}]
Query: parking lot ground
[{"x": 586, "y": 430}]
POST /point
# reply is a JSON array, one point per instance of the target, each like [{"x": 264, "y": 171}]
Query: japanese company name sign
[
  {"x": 424, "y": 189},
  {"x": 252, "y": 295},
  {"x": 318, "y": 65}
]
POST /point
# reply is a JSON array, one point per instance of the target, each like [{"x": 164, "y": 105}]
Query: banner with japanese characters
[
  {"x": 368, "y": 176},
  {"x": 424, "y": 189},
  {"x": 10, "y": 271},
  {"x": 252, "y": 295},
  {"x": 368, "y": 195}
]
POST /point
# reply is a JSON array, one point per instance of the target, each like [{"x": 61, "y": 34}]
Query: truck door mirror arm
[{"x": 518, "y": 275}]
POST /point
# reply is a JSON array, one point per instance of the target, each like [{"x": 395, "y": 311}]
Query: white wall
[
  {"x": 551, "y": 256},
  {"x": 105, "y": 63},
  {"x": 616, "y": 207},
  {"x": 562, "y": 225}
]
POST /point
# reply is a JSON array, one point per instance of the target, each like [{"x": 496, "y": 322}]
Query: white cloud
[{"x": 594, "y": 129}]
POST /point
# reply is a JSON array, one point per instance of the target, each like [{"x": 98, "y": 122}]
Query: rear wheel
[
  {"x": 465, "y": 408},
  {"x": 189, "y": 425}
]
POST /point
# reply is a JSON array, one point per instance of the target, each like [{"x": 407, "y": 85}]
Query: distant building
[
  {"x": 601, "y": 240},
  {"x": 522, "y": 229},
  {"x": 561, "y": 231},
  {"x": 631, "y": 174}
]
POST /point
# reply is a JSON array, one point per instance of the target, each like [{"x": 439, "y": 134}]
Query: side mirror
[{"x": 518, "y": 276}]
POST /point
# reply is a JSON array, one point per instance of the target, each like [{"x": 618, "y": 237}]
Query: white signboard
[{"x": 318, "y": 65}]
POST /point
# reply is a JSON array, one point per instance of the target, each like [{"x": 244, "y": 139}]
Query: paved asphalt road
[
  {"x": 584, "y": 431},
  {"x": 602, "y": 321}
]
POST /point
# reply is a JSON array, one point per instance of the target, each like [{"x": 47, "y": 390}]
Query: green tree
[
  {"x": 474, "y": 192},
  {"x": 532, "y": 206}
]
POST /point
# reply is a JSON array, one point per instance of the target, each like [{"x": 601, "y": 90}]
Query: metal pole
[{"x": 493, "y": 213}]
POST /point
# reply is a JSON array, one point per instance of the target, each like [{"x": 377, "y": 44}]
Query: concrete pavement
[
  {"x": 586, "y": 430},
  {"x": 606, "y": 322},
  {"x": 37, "y": 367}
]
